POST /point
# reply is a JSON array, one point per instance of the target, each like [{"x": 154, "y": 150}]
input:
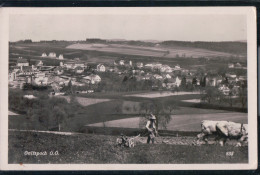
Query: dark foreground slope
[{"x": 84, "y": 148}]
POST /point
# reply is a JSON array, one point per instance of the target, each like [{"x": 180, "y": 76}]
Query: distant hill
[{"x": 235, "y": 47}]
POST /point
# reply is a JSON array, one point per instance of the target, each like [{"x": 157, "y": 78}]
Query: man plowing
[{"x": 151, "y": 127}]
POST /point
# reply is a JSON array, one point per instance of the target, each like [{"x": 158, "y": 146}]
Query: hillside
[{"x": 86, "y": 148}]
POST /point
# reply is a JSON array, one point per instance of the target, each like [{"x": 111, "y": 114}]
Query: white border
[{"x": 250, "y": 12}]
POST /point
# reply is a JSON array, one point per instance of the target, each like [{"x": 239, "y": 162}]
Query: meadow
[{"x": 100, "y": 149}]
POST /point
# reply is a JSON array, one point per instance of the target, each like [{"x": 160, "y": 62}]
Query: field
[
  {"x": 149, "y": 51},
  {"x": 185, "y": 122},
  {"x": 98, "y": 149},
  {"x": 86, "y": 101},
  {"x": 70, "y": 50},
  {"x": 162, "y": 94}
]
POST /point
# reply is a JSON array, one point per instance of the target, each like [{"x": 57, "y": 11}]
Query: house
[
  {"x": 224, "y": 89},
  {"x": 147, "y": 77},
  {"x": 22, "y": 62},
  {"x": 238, "y": 65},
  {"x": 165, "y": 68},
  {"x": 61, "y": 64},
  {"x": 39, "y": 63},
  {"x": 174, "y": 82},
  {"x": 177, "y": 66},
  {"x": 44, "y": 54},
  {"x": 168, "y": 76},
  {"x": 79, "y": 63},
  {"x": 230, "y": 75},
  {"x": 26, "y": 70},
  {"x": 12, "y": 76},
  {"x": 154, "y": 65},
  {"x": 130, "y": 63},
  {"x": 139, "y": 65},
  {"x": 157, "y": 77},
  {"x": 58, "y": 70},
  {"x": 29, "y": 96},
  {"x": 52, "y": 54},
  {"x": 40, "y": 79},
  {"x": 60, "y": 57},
  {"x": 177, "y": 81},
  {"x": 231, "y": 65},
  {"x": 122, "y": 62},
  {"x": 93, "y": 79},
  {"x": 79, "y": 70},
  {"x": 101, "y": 68},
  {"x": 69, "y": 64}
]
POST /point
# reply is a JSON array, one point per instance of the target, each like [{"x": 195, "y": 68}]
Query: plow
[{"x": 124, "y": 141}]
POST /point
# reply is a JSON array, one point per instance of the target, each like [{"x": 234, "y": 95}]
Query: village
[{"x": 89, "y": 78}]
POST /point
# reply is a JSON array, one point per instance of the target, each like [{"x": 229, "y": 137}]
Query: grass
[{"x": 96, "y": 149}]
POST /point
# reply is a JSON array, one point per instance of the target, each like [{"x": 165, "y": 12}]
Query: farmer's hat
[{"x": 152, "y": 117}]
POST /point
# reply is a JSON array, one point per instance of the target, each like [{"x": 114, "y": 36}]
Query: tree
[
  {"x": 183, "y": 83},
  {"x": 210, "y": 94},
  {"x": 242, "y": 93},
  {"x": 160, "y": 110},
  {"x": 59, "y": 116}
]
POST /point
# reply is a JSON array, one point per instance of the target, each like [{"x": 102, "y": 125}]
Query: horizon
[{"x": 121, "y": 40}]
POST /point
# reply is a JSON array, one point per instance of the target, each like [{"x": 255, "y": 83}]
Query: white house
[
  {"x": 177, "y": 81},
  {"x": 40, "y": 79},
  {"x": 156, "y": 76},
  {"x": 177, "y": 66},
  {"x": 231, "y": 65},
  {"x": 60, "y": 57},
  {"x": 79, "y": 64},
  {"x": 22, "y": 62},
  {"x": 29, "y": 96},
  {"x": 165, "y": 68},
  {"x": 122, "y": 62},
  {"x": 231, "y": 75},
  {"x": 52, "y": 54},
  {"x": 238, "y": 65},
  {"x": 93, "y": 79},
  {"x": 44, "y": 54},
  {"x": 224, "y": 89},
  {"x": 168, "y": 76},
  {"x": 130, "y": 63},
  {"x": 139, "y": 65},
  {"x": 101, "y": 68},
  {"x": 79, "y": 70}
]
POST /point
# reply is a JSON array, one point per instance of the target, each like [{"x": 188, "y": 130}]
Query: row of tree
[
  {"x": 49, "y": 112},
  {"x": 213, "y": 95}
]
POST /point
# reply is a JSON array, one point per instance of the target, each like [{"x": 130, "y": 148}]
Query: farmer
[{"x": 151, "y": 127}]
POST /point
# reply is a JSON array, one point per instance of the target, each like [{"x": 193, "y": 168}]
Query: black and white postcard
[{"x": 123, "y": 88}]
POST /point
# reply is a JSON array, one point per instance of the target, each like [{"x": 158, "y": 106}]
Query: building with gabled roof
[
  {"x": 101, "y": 68},
  {"x": 93, "y": 79},
  {"x": 22, "y": 62}
]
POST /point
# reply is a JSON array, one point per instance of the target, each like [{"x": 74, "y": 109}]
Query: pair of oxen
[{"x": 223, "y": 130}]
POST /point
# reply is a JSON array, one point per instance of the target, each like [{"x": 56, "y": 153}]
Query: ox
[{"x": 224, "y": 130}]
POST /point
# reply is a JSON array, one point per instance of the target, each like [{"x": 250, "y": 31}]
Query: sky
[{"x": 131, "y": 27}]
